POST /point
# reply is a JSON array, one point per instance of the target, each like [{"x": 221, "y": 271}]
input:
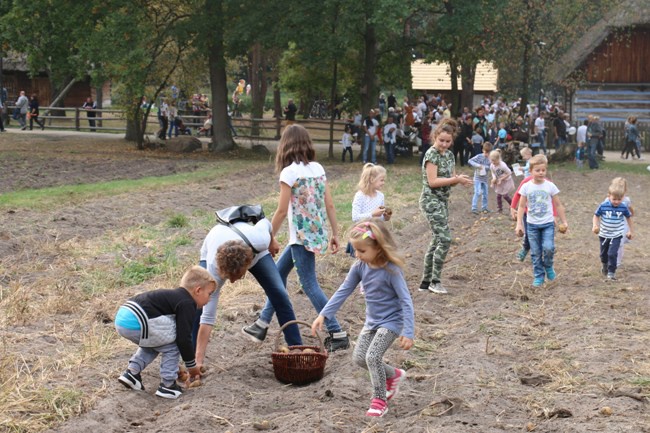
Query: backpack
[{"x": 247, "y": 213}]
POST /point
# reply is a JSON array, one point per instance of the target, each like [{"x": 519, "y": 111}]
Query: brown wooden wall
[
  {"x": 624, "y": 57},
  {"x": 15, "y": 81}
]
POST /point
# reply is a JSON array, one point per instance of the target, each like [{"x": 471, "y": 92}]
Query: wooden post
[
  {"x": 278, "y": 127},
  {"x": 76, "y": 118}
]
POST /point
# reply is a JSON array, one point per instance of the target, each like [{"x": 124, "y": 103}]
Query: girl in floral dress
[{"x": 305, "y": 201}]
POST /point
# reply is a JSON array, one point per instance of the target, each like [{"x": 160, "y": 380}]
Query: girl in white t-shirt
[
  {"x": 368, "y": 201},
  {"x": 306, "y": 202}
]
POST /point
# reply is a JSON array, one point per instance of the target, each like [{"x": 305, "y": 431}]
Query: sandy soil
[{"x": 494, "y": 355}]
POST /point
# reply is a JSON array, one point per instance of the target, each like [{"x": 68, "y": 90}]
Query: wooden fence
[
  {"x": 112, "y": 120},
  {"x": 615, "y": 135}
]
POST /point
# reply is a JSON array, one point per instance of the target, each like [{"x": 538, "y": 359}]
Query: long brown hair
[
  {"x": 448, "y": 125},
  {"x": 295, "y": 146}
]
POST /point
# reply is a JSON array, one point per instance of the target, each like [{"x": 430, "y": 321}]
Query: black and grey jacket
[{"x": 166, "y": 316}]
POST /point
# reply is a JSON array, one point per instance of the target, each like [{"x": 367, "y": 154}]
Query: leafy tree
[
  {"x": 528, "y": 35},
  {"x": 139, "y": 46},
  {"x": 50, "y": 33}
]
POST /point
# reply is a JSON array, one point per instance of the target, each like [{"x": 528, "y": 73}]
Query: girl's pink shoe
[{"x": 378, "y": 408}]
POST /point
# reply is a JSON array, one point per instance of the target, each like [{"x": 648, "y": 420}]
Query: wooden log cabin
[{"x": 607, "y": 71}]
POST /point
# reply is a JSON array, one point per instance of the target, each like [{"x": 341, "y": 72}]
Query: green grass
[
  {"x": 641, "y": 381},
  {"x": 51, "y": 197},
  {"x": 616, "y": 166},
  {"x": 177, "y": 221}
]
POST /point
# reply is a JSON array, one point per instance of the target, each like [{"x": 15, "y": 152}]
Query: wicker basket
[{"x": 299, "y": 368}]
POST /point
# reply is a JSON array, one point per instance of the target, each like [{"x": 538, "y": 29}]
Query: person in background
[
  {"x": 34, "y": 113},
  {"x": 2, "y": 125},
  {"x": 290, "y": 112},
  {"x": 22, "y": 106},
  {"x": 90, "y": 106}
]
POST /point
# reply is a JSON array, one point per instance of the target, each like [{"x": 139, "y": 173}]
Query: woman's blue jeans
[
  {"x": 305, "y": 263},
  {"x": 480, "y": 189},
  {"x": 542, "y": 247},
  {"x": 372, "y": 145},
  {"x": 267, "y": 275}
]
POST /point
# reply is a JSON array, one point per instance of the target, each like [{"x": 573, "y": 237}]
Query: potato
[
  {"x": 296, "y": 351},
  {"x": 606, "y": 410},
  {"x": 183, "y": 375},
  {"x": 196, "y": 383},
  {"x": 283, "y": 349},
  {"x": 308, "y": 350},
  {"x": 388, "y": 211},
  {"x": 562, "y": 228}
]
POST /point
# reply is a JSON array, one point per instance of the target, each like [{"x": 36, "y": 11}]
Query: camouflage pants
[{"x": 437, "y": 214}]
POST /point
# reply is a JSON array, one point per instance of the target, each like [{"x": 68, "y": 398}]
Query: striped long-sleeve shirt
[{"x": 612, "y": 219}]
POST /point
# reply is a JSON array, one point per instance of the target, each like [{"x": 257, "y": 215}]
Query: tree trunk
[
  {"x": 467, "y": 76},
  {"x": 99, "y": 99},
  {"x": 455, "y": 96},
  {"x": 369, "y": 83},
  {"x": 259, "y": 85},
  {"x": 133, "y": 133},
  {"x": 525, "y": 77},
  {"x": 221, "y": 139},
  {"x": 335, "y": 68}
]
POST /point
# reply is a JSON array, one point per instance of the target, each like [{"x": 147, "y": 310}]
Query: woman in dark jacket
[
  {"x": 33, "y": 113},
  {"x": 631, "y": 138}
]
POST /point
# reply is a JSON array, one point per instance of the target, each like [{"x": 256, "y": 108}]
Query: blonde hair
[
  {"x": 526, "y": 151},
  {"x": 369, "y": 173},
  {"x": 374, "y": 233},
  {"x": 618, "y": 184},
  {"x": 196, "y": 276},
  {"x": 616, "y": 190},
  {"x": 295, "y": 146},
  {"x": 538, "y": 159},
  {"x": 448, "y": 125},
  {"x": 495, "y": 155}
]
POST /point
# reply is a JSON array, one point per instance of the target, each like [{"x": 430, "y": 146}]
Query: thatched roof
[
  {"x": 13, "y": 61},
  {"x": 629, "y": 13}
]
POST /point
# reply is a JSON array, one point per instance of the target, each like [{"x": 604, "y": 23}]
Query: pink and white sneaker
[
  {"x": 378, "y": 408},
  {"x": 392, "y": 384}
]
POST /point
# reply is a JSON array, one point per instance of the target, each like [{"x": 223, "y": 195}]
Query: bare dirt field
[{"x": 494, "y": 355}]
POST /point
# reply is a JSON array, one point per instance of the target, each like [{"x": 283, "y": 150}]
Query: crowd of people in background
[{"x": 544, "y": 127}]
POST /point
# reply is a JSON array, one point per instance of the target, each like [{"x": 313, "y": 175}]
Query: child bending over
[
  {"x": 389, "y": 309},
  {"x": 160, "y": 322}
]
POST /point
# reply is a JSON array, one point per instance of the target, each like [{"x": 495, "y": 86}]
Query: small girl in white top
[
  {"x": 346, "y": 141},
  {"x": 389, "y": 309},
  {"x": 368, "y": 202},
  {"x": 501, "y": 179}
]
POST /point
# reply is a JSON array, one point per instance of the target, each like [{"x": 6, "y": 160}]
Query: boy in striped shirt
[{"x": 609, "y": 224}]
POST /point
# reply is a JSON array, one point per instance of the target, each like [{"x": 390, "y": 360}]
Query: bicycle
[{"x": 319, "y": 110}]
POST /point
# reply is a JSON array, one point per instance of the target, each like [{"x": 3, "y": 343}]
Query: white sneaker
[{"x": 437, "y": 288}]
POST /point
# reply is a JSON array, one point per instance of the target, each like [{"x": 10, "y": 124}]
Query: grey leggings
[
  {"x": 369, "y": 354},
  {"x": 145, "y": 356}
]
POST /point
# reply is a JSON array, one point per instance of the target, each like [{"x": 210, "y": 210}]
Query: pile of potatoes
[{"x": 285, "y": 349}]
